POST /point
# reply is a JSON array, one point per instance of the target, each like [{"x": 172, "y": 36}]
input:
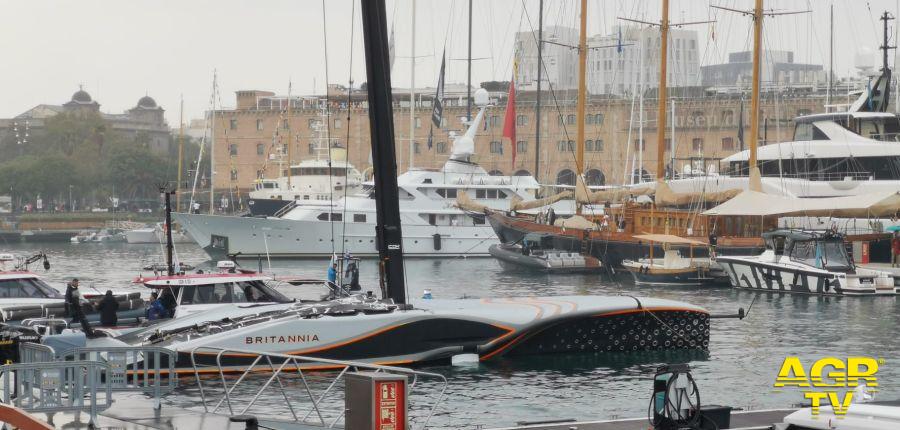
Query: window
[
  {"x": 598, "y": 119},
  {"x": 571, "y": 146},
  {"x": 521, "y": 146},
  {"x": 233, "y": 175},
  {"x": 259, "y": 125},
  {"x": 339, "y": 123},
  {"x": 589, "y": 145},
  {"x": 570, "y": 119},
  {"x": 312, "y": 148},
  {"x": 312, "y": 122},
  {"x": 597, "y": 147},
  {"x": 697, "y": 144},
  {"x": 565, "y": 177},
  {"x": 232, "y": 149},
  {"x": 335, "y": 216},
  {"x": 416, "y": 148},
  {"x": 449, "y": 193},
  {"x": 589, "y": 119},
  {"x": 594, "y": 177},
  {"x": 727, "y": 143},
  {"x": 418, "y": 122},
  {"x": 260, "y": 149},
  {"x": 285, "y": 124},
  {"x": 359, "y": 217},
  {"x": 496, "y": 147},
  {"x": 232, "y": 124},
  {"x": 441, "y": 147},
  {"x": 521, "y": 120}
]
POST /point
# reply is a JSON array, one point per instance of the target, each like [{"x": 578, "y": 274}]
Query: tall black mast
[
  {"x": 537, "y": 108},
  {"x": 384, "y": 158}
]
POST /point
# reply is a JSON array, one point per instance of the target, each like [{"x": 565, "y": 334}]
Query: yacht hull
[
  {"x": 283, "y": 238},
  {"x": 436, "y": 330},
  {"x": 747, "y": 273}
]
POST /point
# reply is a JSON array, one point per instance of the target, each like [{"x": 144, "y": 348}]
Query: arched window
[
  {"x": 565, "y": 177},
  {"x": 495, "y": 172},
  {"x": 598, "y": 119},
  {"x": 570, "y": 119},
  {"x": 588, "y": 145},
  {"x": 594, "y": 177},
  {"x": 522, "y": 173}
]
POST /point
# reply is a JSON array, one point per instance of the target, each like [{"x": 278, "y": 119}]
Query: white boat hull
[
  {"x": 749, "y": 273},
  {"x": 276, "y": 237}
]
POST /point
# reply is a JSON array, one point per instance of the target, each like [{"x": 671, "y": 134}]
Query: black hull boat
[
  {"x": 512, "y": 257},
  {"x": 266, "y": 207}
]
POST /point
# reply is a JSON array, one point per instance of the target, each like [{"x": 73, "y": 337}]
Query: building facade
[
  {"x": 249, "y": 137},
  {"x": 144, "y": 122},
  {"x": 777, "y": 68},
  {"x": 619, "y": 64}
]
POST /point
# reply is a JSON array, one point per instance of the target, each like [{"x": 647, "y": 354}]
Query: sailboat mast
[
  {"x": 755, "y": 181},
  {"x": 212, "y": 146},
  {"x": 537, "y": 108},
  {"x": 830, "y": 57},
  {"x": 582, "y": 94},
  {"x": 469, "y": 73},
  {"x": 412, "y": 86},
  {"x": 381, "y": 126},
  {"x": 661, "y": 114},
  {"x": 180, "y": 154},
  {"x": 290, "y": 143}
]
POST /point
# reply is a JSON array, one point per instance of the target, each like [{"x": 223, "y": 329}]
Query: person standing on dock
[
  {"x": 713, "y": 241},
  {"x": 332, "y": 273},
  {"x": 108, "y": 308}
]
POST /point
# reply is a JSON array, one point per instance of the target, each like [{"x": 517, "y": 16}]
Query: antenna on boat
[{"x": 167, "y": 192}]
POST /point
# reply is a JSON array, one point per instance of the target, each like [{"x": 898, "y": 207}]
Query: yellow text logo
[{"x": 829, "y": 379}]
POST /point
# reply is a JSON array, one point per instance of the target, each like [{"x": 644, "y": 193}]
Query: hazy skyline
[{"x": 121, "y": 51}]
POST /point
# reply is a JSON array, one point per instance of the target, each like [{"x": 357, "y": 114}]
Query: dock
[
  {"x": 134, "y": 411},
  {"x": 740, "y": 420}
]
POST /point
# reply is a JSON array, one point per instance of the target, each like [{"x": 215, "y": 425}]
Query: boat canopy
[
  {"x": 756, "y": 203},
  {"x": 668, "y": 238}
]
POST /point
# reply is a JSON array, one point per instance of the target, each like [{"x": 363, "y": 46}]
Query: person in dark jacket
[
  {"x": 156, "y": 310},
  {"x": 108, "y": 308},
  {"x": 73, "y": 300}
]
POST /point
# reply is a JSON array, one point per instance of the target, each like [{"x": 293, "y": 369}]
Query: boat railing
[
  {"x": 312, "y": 388},
  {"x": 133, "y": 368},
  {"x": 57, "y": 386},
  {"x": 285, "y": 209}
]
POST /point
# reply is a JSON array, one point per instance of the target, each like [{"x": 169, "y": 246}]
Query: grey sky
[{"x": 122, "y": 50}]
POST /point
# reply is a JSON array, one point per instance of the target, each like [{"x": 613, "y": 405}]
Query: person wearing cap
[{"x": 70, "y": 288}]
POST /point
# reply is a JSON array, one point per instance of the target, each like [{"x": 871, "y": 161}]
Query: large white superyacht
[{"x": 433, "y": 224}]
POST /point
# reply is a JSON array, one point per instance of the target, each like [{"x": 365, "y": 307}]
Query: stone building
[
  {"x": 247, "y": 137},
  {"x": 145, "y": 122}
]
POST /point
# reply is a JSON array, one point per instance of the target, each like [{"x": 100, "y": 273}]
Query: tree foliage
[{"x": 83, "y": 154}]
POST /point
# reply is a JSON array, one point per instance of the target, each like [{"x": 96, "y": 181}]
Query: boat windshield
[
  {"x": 230, "y": 292},
  {"x": 829, "y": 255},
  {"x": 27, "y": 288}
]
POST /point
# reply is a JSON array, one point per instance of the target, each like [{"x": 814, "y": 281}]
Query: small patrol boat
[
  {"x": 535, "y": 252},
  {"x": 672, "y": 269},
  {"x": 807, "y": 262}
]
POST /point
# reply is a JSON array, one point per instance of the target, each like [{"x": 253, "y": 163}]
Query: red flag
[{"x": 509, "y": 123}]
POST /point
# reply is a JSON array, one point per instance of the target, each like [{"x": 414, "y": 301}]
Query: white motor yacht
[{"x": 433, "y": 224}]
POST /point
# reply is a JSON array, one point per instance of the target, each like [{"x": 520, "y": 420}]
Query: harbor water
[{"x": 740, "y": 369}]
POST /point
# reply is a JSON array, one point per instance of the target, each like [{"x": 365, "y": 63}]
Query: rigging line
[
  {"x": 349, "y": 116},
  {"x": 327, "y": 108}
]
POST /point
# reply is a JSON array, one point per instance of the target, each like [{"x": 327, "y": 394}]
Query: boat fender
[{"x": 437, "y": 241}]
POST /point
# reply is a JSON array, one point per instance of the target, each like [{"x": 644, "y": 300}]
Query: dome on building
[
  {"x": 147, "y": 102},
  {"x": 81, "y": 96}
]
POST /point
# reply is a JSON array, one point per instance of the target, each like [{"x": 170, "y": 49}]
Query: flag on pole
[
  {"x": 509, "y": 123},
  {"x": 619, "y": 42},
  {"x": 437, "y": 105}
]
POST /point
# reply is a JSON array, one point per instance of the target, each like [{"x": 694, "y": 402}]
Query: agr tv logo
[{"x": 830, "y": 378}]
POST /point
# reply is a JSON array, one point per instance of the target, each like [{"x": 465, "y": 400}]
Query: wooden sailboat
[{"x": 612, "y": 236}]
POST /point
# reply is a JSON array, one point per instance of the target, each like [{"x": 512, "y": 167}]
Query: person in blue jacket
[{"x": 156, "y": 310}]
